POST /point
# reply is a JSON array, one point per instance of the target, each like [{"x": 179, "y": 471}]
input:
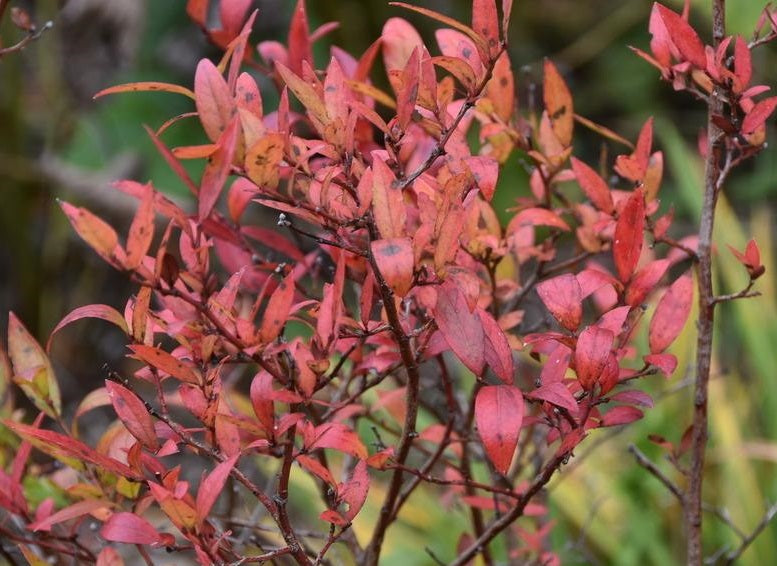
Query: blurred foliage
[{"x": 56, "y": 142}]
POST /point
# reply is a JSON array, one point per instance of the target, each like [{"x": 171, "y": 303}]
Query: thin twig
[{"x": 732, "y": 556}]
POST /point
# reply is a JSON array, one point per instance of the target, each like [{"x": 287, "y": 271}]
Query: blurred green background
[{"x": 55, "y": 142}]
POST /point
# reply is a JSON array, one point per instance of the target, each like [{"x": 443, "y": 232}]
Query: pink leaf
[
  {"x": 634, "y": 397},
  {"x": 539, "y": 217},
  {"x": 129, "y": 528},
  {"x": 557, "y": 394},
  {"x": 142, "y": 229},
  {"x": 354, "y": 491},
  {"x": 497, "y": 351},
  {"x": 338, "y": 436},
  {"x": 563, "y": 297},
  {"x": 399, "y": 39},
  {"x": 462, "y": 329},
  {"x": 591, "y": 353},
  {"x": 133, "y": 414},
  {"x": 758, "y": 115},
  {"x": 70, "y": 512},
  {"x": 644, "y": 281},
  {"x": 164, "y": 361},
  {"x": 212, "y": 486},
  {"x": 499, "y": 414},
  {"x": 103, "y": 312},
  {"x": 218, "y": 169},
  {"x": 215, "y": 104},
  {"x": 743, "y": 65},
  {"x": 621, "y": 415},
  {"x": 299, "y": 39},
  {"x": 486, "y": 23},
  {"x": 277, "y": 311},
  {"x": 394, "y": 258},
  {"x": 670, "y": 315},
  {"x": 666, "y": 363},
  {"x": 593, "y": 186}
]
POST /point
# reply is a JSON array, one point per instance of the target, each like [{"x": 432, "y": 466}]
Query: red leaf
[
  {"x": 142, "y": 229},
  {"x": 556, "y": 365},
  {"x": 338, "y": 436},
  {"x": 758, "y": 115},
  {"x": 299, "y": 39},
  {"x": 479, "y": 42},
  {"x": 499, "y": 414},
  {"x": 486, "y": 22},
  {"x": 305, "y": 93},
  {"x": 388, "y": 204},
  {"x": 563, "y": 297},
  {"x": 613, "y": 320},
  {"x": 261, "y": 400},
  {"x": 462, "y": 329},
  {"x": 109, "y": 556},
  {"x": 666, "y": 363},
  {"x": 591, "y": 353},
  {"x": 212, "y": 486},
  {"x": 217, "y": 170},
  {"x": 593, "y": 186},
  {"x": 166, "y": 362},
  {"x": 633, "y": 397},
  {"x": 129, "y": 528},
  {"x": 354, "y": 491},
  {"x": 277, "y": 311},
  {"x": 456, "y": 46},
  {"x": 408, "y": 94},
  {"x": 743, "y": 65},
  {"x": 317, "y": 469},
  {"x": 399, "y": 39},
  {"x": 70, "y": 512},
  {"x": 133, "y": 414},
  {"x": 627, "y": 242},
  {"x": 103, "y": 312},
  {"x": 539, "y": 217},
  {"x": 645, "y": 280},
  {"x": 591, "y": 280},
  {"x": 248, "y": 95},
  {"x": 215, "y": 104},
  {"x": 497, "y": 350},
  {"x": 621, "y": 416},
  {"x": 633, "y": 167},
  {"x": 70, "y": 450},
  {"x": 557, "y": 394},
  {"x": 172, "y": 161},
  {"x": 752, "y": 254},
  {"x": 671, "y": 313},
  {"x": 394, "y": 258},
  {"x": 485, "y": 171},
  {"x": 684, "y": 37}
]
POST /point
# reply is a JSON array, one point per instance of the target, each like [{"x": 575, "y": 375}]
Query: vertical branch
[
  {"x": 372, "y": 552},
  {"x": 693, "y": 502}
]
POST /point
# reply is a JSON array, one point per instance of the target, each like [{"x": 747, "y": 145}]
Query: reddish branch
[
  {"x": 501, "y": 523},
  {"x": 712, "y": 178}
]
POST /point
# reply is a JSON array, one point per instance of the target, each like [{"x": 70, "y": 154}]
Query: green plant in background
[{"x": 601, "y": 486}]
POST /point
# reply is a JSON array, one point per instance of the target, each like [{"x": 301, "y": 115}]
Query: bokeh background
[{"x": 56, "y": 142}]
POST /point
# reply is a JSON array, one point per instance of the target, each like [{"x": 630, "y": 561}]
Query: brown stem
[
  {"x": 693, "y": 499},
  {"x": 372, "y": 552},
  {"x": 507, "y": 519},
  {"x": 296, "y": 549}
]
